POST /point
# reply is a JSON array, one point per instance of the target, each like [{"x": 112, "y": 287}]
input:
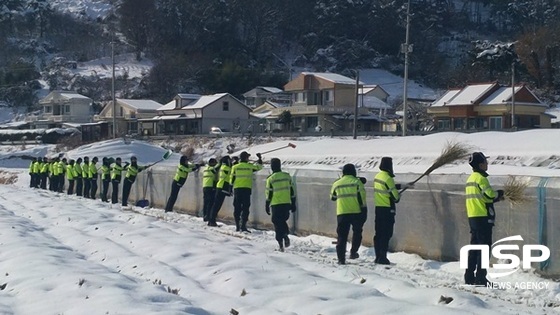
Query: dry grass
[{"x": 514, "y": 191}]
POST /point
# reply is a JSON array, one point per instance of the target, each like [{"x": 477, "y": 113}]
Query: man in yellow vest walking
[
  {"x": 351, "y": 211},
  {"x": 281, "y": 198},
  {"x": 480, "y": 198},
  {"x": 242, "y": 182}
]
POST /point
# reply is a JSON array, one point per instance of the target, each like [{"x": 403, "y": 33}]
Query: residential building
[
  {"x": 197, "y": 114},
  {"x": 60, "y": 107},
  {"x": 260, "y": 94},
  {"x": 128, "y": 113},
  {"x": 326, "y": 101},
  {"x": 489, "y": 106}
]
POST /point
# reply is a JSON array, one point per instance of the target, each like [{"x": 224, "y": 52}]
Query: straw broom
[
  {"x": 452, "y": 152},
  {"x": 514, "y": 191}
]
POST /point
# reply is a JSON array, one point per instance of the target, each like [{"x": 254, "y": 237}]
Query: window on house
[
  {"x": 67, "y": 109},
  {"x": 225, "y": 106},
  {"x": 121, "y": 112},
  {"x": 443, "y": 124},
  {"x": 495, "y": 123},
  {"x": 327, "y": 96},
  {"x": 48, "y": 109},
  {"x": 312, "y": 122}
]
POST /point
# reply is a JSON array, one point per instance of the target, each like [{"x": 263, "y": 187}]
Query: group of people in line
[
  {"x": 233, "y": 176},
  {"x": 83, "y": 175}
]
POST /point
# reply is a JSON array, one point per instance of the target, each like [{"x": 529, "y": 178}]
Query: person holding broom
[
  {"x": 480, "y": 198},
  {"x": 386, "y": 196},
  {"x": 132, "y": 171},
  {"x": 179, "y": 180},
  {"x": 242, "y": 183}
]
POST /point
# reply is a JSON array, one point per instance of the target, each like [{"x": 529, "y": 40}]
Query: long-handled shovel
[
  {"x": 143, "y": 203},
  {"x": 289, "y": 145}
]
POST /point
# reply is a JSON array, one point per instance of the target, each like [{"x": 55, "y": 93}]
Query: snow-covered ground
[{"x": 61, "y": 254}]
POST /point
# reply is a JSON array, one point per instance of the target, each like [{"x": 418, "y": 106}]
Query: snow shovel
[
  {"x": 165, "y": 156},
  {"x": 289, "y": 145},
  {"x": 144, "y": 203}
]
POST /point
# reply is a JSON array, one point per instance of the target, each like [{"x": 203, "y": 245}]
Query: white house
[
  {"x": 128, "y": 114},
  {"x": 60, "y": 107}
]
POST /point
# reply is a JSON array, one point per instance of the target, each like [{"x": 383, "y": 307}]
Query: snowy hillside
[{"x": 92, "y": 9}]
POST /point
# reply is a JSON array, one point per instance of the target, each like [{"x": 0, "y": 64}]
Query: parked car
[{"x": 216, "y": 131}]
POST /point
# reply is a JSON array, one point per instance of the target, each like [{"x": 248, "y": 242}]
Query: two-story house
[
  {"x": 324, "y": 99},
  {"x": 60, "y": 107},
  {"x": 489, "y": 106},
  {"x": 196, "y": 114},
  {"x": 128, "y": 113}
]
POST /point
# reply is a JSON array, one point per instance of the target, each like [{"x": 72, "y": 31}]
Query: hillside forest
[{"x": 209, "y": 46}]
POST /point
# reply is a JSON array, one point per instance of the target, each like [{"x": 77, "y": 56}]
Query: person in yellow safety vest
[
  {"x": 223, "y": 189},
  {"x": 179, "y": 180},
  {"x": 32, "y": 174},
  {"x": 116, "y": 175},
  {"x": 209, "y": 181},
  {"x": 61, "y": 167},
  {"x": 351, "y": 211},
  {"x": 93, "y": 177},
  {"x": 242, "y": 182},
  {"x": 53, "y": 168},
  {"x": 71, "y": 176},
  {"x": 44, "y": 173},
  {"x": 386, "y": 196},
  {"x": 105, "y": 178},
  {"x": 37, "y": 172},
  {"x": 79, "y": 177},
  {"x": 480, "y": 198},
  {"x": 86, "y": 177},
  {"x": 281, "y": 199},
  {"x": 132, "y": 171}
]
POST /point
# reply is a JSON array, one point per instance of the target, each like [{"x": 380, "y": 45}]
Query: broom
[
  {"x": 452, "y": 152},
  {"x": 514, "y": 191}
]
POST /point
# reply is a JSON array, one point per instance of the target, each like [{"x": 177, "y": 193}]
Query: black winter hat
[
  {"x": 386, "y": 164},
  {"x": 476, "y": 158},
  {"x": 275, "y": 165},
  {"x": 184, "y": 159},
  {"x": 244, "y": 156},
  {"x": 349, "y": 169}
]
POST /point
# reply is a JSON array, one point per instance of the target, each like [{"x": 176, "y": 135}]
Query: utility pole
[
  {"x": 512, "y": 95},
  {"x": 113, "y": 83},
  {"x": 406, "y": 48},
  {"x": 355, "y": 129}
]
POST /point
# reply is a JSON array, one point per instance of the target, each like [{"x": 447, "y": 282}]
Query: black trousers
[
  {"x": 87, "y": 187},
  {"x": 218, "y": 202},
  {"x": 175, "y": 187},
  {"x": 241, "y": 204},
  {"x": 71, "y": 186},
  {"x": 32, "y": 180},
  {"x": 345, "y": 222},
  {"x": 52, "y": 183},
  {"x": 43, "y": 180},
  {"x": 481, "y": 234},
  {"x": 208, "y": 196},
  {"x": 104, "y": 189},
  {"x": 127, "y": 185},
  {"x": 93, "y": 188},
  {"x": 79, "y": 186},
  {"x": 384, "y": 223},
  {"x": 115, "y": 192},
  {"x": 60, "y": 183},
  {"x": 280, "y": 216}
]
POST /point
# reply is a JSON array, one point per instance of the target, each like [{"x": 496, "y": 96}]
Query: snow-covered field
[{"x": 61, "y": 254}]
